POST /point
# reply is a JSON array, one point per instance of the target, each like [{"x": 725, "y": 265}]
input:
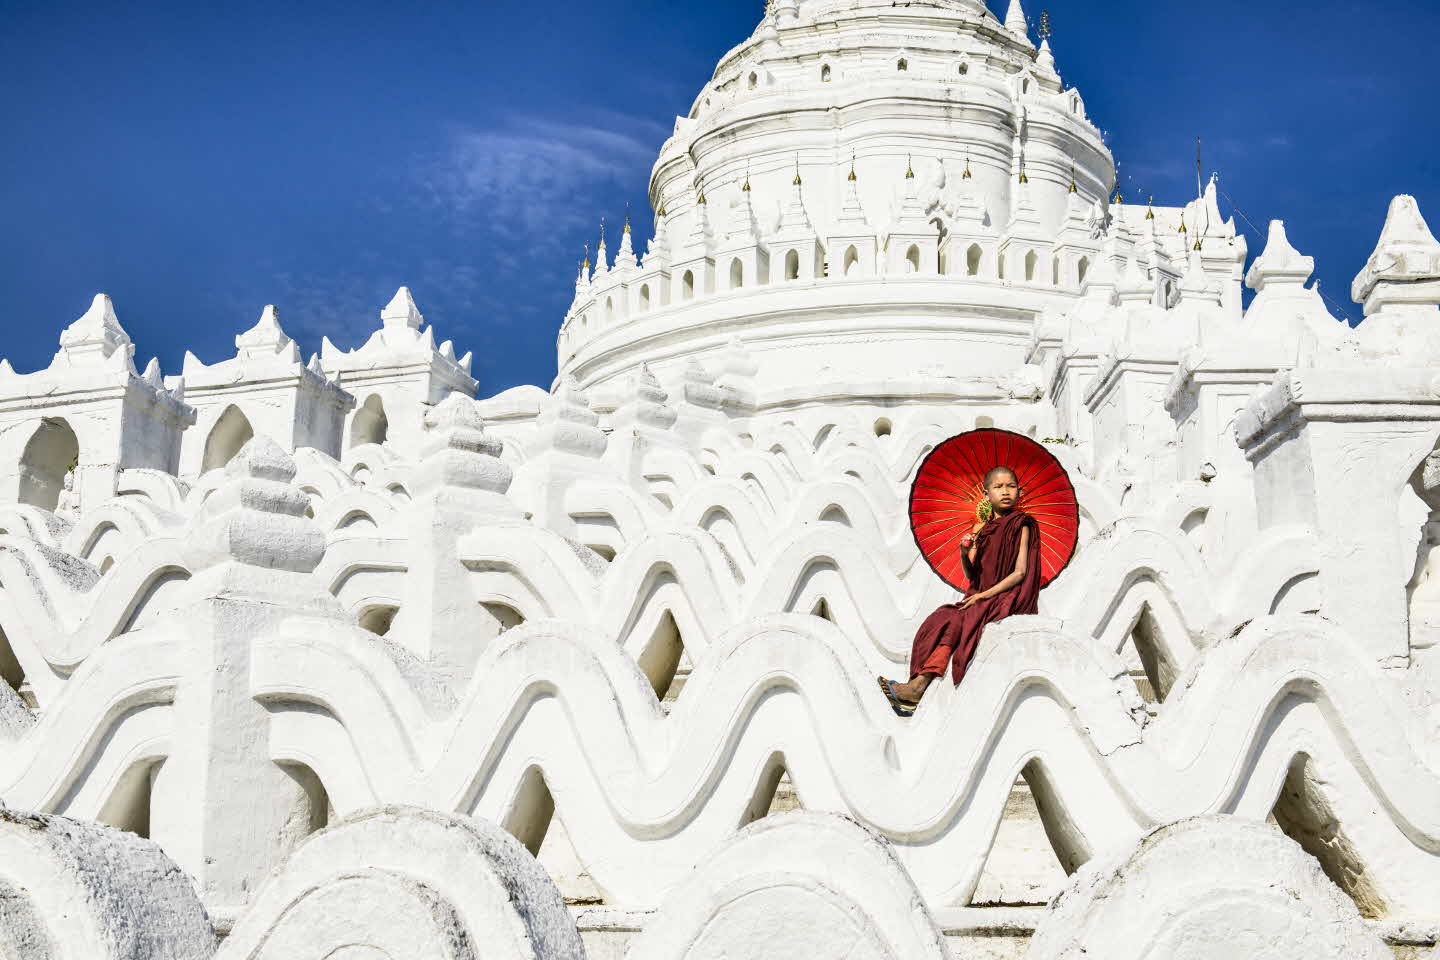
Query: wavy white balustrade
[
  {"x": 645, "y": 796},
  {"x": 565, "y": 711}
]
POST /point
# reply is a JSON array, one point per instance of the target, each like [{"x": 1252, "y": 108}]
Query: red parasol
[{"x": 948, "y": 497}]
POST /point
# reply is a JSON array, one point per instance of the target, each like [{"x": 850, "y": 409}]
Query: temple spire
[
  {"x": 626, "y": 256},
  {"x": 1015, "y": 20},
  {"x": 602, "y": 263}
]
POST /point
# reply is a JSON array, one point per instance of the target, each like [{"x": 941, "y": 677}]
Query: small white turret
[
  {"x": 95, "y": 338},
  {"x": 1045, "y": 60},
  {"x": 1280, "y": 264},
  {"x": 602, "y": 265},
  {"x": 1404, "y": 271},
  {"x": 625, "y": 259},
  {"x": 1015, "y": 20},
  {"x": 1196, "y": 287},
  {"x": 401, "y": 312},
  {"x": 657, "y": 250},
  {"x": 266, "y": 340}
]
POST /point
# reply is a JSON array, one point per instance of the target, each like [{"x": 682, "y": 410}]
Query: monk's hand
[{"x": 971, "y": 600}]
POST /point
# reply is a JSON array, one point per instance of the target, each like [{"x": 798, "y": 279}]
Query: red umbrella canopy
[{"x": 948, "y": 496}]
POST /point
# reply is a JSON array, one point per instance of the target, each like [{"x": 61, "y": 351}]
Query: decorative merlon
[
  {"x": 401, "y": 311},
  {"x": 1280, "y": 264},
  {"x": 1404, "y": 270},
  {"x": 1196, "y": 287},
  {"x": 95, "y": 338},
  {"x": 266, "y": 340}
]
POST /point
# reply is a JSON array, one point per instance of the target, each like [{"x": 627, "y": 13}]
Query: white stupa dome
[{"x": 862, "y": 187}]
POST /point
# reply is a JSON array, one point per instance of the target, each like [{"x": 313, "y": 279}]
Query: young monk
[{"x": 1001, "y": 558}]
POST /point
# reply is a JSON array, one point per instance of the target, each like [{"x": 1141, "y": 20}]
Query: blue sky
[{"x": 197, "y": 162}]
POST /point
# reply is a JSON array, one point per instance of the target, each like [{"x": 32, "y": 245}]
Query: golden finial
[
  {"x": 1023, "y": 178},
  {"x": 701, "y": 198},
  {"x": 1044, "y": 24},
  {"x": 585, "y": 264},
  {"x": 602, "y": 233},
  {"x": 852, "y": 178},
  {"x": 1182, "y": 222},
  {"x": 1119, "y": 197},
  {"x": 909, "y": 167},
  {"x": 966, "y": 175},
  {"x": 746, "y": 187},
  {"x": 1074, "y": 187},
  {"x": 797, "y": 170},
  {"x": 1197, "y": 243},
  {"x": 1150, "y": 208}
]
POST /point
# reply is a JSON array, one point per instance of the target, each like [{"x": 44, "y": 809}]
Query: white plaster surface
[
  {"x": 412, "y": 883},
  {"x": 84, "y": 891},
  {"x": 625, "y": 617},
  {"x": 1206, "y": 887},
  {"x": 795, "y": 884}
]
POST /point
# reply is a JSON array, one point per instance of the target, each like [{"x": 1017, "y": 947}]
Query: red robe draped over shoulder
[{"x": 951, "y": 634}]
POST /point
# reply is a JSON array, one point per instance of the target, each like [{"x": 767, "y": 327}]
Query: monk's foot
[{"x": 912, "y": 691}]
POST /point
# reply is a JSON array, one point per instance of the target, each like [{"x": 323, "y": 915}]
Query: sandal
[{"x": 902, "y": 708}]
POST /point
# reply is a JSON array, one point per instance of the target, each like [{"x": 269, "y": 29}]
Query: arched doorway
[
  {"x": 50, "y": 455},
  {"x": 230, "y": 433},
  {"x": 370, "y": 424}
]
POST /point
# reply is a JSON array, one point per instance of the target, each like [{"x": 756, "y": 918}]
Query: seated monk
[{"x": 1001, "y": 558}]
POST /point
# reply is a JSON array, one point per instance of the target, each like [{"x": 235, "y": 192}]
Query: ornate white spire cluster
[{"x": 747, "y": 202}]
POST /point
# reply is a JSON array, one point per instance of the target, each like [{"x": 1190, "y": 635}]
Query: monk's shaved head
[{"x": 997, "y": 471}]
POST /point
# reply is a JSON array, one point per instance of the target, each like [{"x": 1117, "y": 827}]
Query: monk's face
[{"x": 1003, "y": 492}]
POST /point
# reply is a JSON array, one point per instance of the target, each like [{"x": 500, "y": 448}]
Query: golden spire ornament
[
  {"x": 909, "y": 167},
  {"x": 602, "y": 233},
  {"x": 796, "y": 181},
  {"x": 745, "y": 188},
  {"x": 1150, "y": 208},
  {"x": 1182, "y": 222},
  {"x": 585, "y": 264},
  {"x": 1023, "y": 178},
  {"x": 966, "y": 175},
  {"x": 1074, "y": 187},
  {"x": 852, "y": 178}
]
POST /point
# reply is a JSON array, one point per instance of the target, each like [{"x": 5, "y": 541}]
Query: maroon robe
[{"x": 951, "y": 634}]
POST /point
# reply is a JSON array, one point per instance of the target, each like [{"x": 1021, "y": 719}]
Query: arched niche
[
  {"x": 230, "y": 433},
  {"x": 370, "y": 424},
  {"x": 52, "y": 452}
]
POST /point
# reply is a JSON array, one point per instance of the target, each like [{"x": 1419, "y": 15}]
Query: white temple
[{"x": 335, "y": 660}]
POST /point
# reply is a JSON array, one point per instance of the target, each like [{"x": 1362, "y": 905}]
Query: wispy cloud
[
  {"x": 491, "y": 212},
  {"x": 533, "y": 178}
]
